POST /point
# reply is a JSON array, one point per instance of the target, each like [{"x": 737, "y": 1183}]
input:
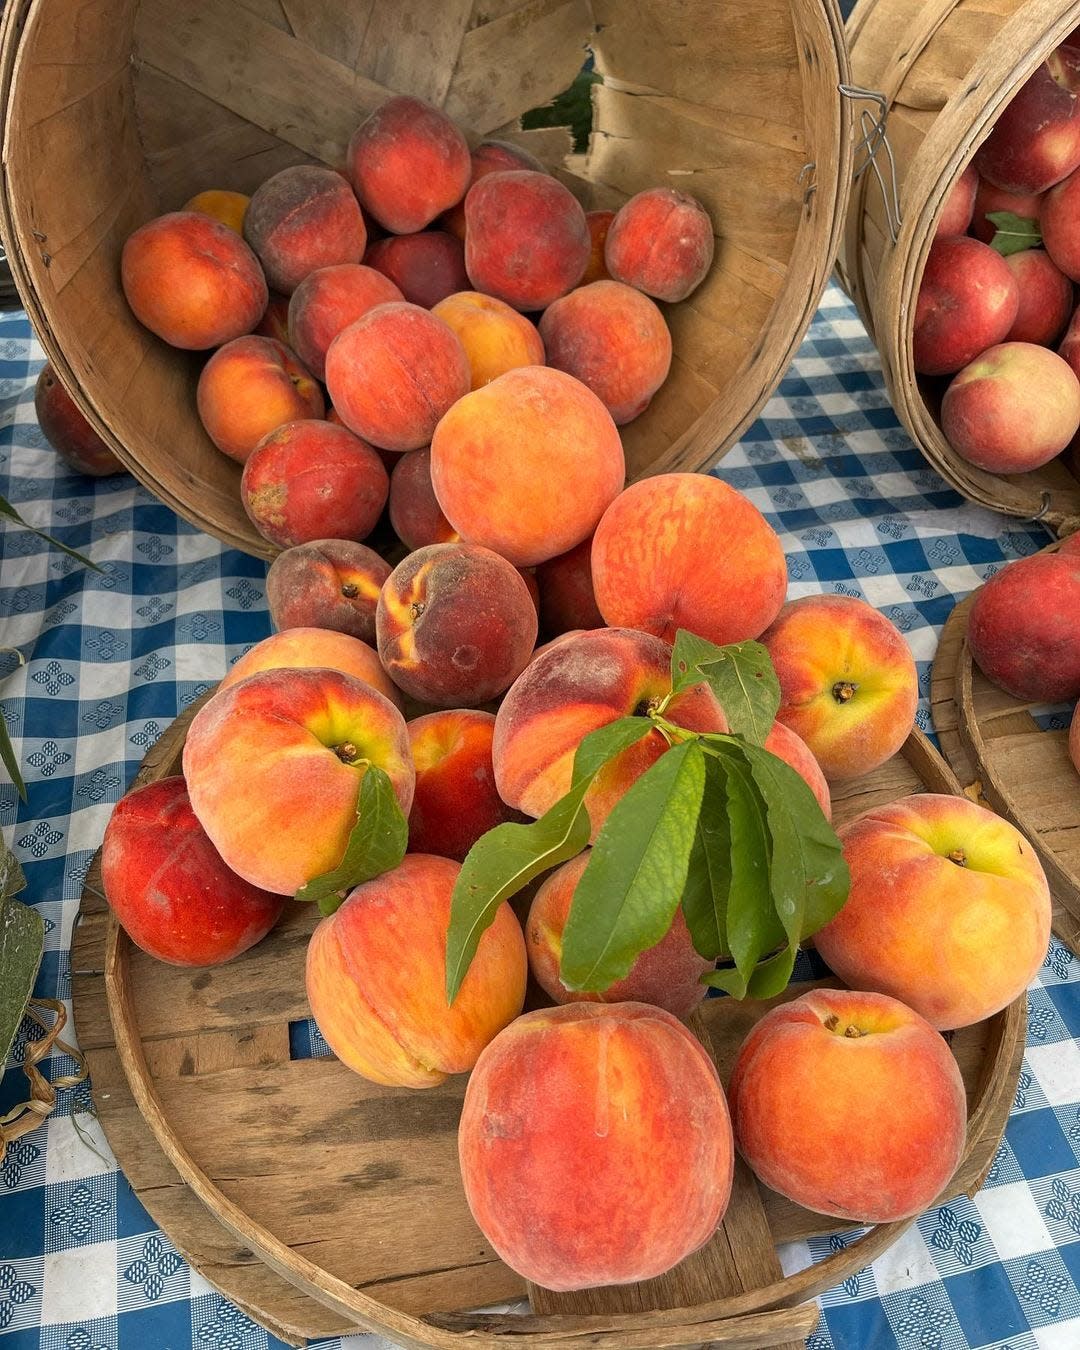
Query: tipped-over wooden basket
[
  {"x": 122, "y": 109},
  {"x": 946, "y": 68}
]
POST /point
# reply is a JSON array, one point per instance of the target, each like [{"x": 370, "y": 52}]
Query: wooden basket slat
[
  {"x": 338, "y": 31},
  {"x": 415, "y": 45}
]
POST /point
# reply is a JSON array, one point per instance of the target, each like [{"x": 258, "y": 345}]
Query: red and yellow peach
[
  {"x": 312, "y": 649},
  {"x": 1035, "y": 142},
  {"x": 425, "y": 267},
  {"x": 327, "y": 583},
  {"x": 496, "y": 338},
  {"x": 327, "y": 301},
  {"x": 303, "y": 218},
  {"x": 249, "y": 388},
  {"x": 660, "y": 242},
  {"x": 68, "y": 432},
  {"x": 968, "y": 300}
]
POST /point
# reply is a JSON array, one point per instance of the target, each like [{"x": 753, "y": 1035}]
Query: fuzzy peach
[
  {"x": 848, "y": 684},
  {"x": 526, "y": 240},
  {"x": 68, "y": 432},
  {"x": 327, "y": 301},
  {"x": 407, "y": 162},
  {"x": 228, "y": 207},
  {"x": 619, "y": 1168},
  {"x": 849, "y": 1104},
  {"x": 392, "y": 375},
  {"x": 488, "y": 157},
  {"x": 192, "y": 281},
  {"x": 496, "y": 453},
  {"x": 496, "y": 338},
  {"x": 312, "y": 480},
  {"x": 989, "y": 200},
  {"x": 1046, "y": 298},
  {"x": 959, "y": 205},
  {"x": 327, "y": 583},
  {"x": 303, "y": 218},
  {"x": 455, "y": 625},
  {"x": 968, "y": 300},
  {"x": 614, "y": 340},
  {"x": 249, "y": 388},
  {"x": 455, "y": 801},
  {"x": 426, "y": 267},
  {"x": 962, "y": 924},
  {"x": 415, "y": 513},
  {"x": 1059, "y": 225},
  {"x": 684, "y": 550},
  {"x": 386, "y": 1017},
  {"x": 566, "y": 592},
  {"x": 793, "y": 750},
  {"x": 310, "y": 648},
  {"x": 273, "y": 764},
  {"x": 661, "y": 242},
  {"x": 1035, "y": 142},
  {"x": 599, "y": 223}
]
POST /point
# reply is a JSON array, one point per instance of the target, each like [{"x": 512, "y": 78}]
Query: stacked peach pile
[{"x": 995, "y": 318}]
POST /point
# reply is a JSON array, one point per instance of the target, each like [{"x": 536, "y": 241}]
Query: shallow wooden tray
[{"x": 322, "y": 1203}]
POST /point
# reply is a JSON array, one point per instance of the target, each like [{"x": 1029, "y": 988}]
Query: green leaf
[
  {"x": 689, "y": 655},
  {"x": 605, "y": 743},
  {"x": 499, "y": 864},
  {"x": 740, "y": 675},
  {"x": 636, "y": 873},
  {"x": 768, "y": 978},
  {"x": 1013, "y": 233},
  {"x": 10, "y": 759},
  {"x": 377, "y": 842},
  {"x": 6, "y": 509},
  {"x": 22, "y": 941},
  {"x": 708, "y": 878},
  {"x": 753, "y": 928}
]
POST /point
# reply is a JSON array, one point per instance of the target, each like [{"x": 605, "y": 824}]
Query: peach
[
  {"x": 455, "y": 800},
  {"x": 661, "y": 242},
  {"x": 614, "y": 340},
  {"x": 407, "y": 162},
  {"x": 273, "y": 764},
  {"x": 959, "y": 205},
  {"x": 275, "y": 320},
  {"x": 526, "y": 240},
  {"x": 576, "y": 686},
  {"x": 1058, "y": 222},
  {"x": 683, "y": 550},
  {"x": 455, "y": 625},
  {"x": 328, "y": 583},
  {"x": 1035, "y": 142},
  {"x": 1069, "y": 350},
  {"x": 228, "y": 207},
  {"x": 848, "y": 684},
  {"x": 566, "y": 592},
  {"x": 990, "y": 200},
  {"x": 327, "y": 301},
  {"x": 793, "y": 750},
  {"x": 618, "y": 1168},
  {"x": 168, "y": 887},
  {"x": 68, "y": 432},
  {"x": 249, "y": 388},
  {"x": 1074, "y": 739},
  {"x": 303, "y": 218},
  {"x": 850, "y": 1105},
  {"x": 1046, "y": 298},
  {"x": 1012, "y": 409},
  {"x": 426, "y": 267},
  {"x": 498, "y": 453},
  {"x": 667, "y": 975},
  {"x": 385, "y": 1017},
  {"x": 488, "y": 157},
  {"x": 599, "y": 223},
  {"x": 1022, "y": 627},
  {"x": 496, "y": 338},
  {"x": 393, "y": 374},
  {"x": 962, "y": 924},
  {"x": 310, "y": 648},
  {"x": 415, "y": 513},
  {"x": 968, "y": 300},
  {"x": 313, "y": 480},
  {"x": 192, "y": 281}
]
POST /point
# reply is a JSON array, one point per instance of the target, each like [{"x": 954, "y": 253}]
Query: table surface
[{"x": 111, "y": 658}]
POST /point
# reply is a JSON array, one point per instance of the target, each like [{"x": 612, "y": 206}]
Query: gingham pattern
[{"x": 111, "y": 659}]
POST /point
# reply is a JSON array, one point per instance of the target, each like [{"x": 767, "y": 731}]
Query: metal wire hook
[{"x": 875, "y": 141}]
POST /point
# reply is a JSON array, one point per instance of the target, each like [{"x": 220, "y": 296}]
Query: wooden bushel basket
[
  {"x": 947, "y": 68},
  {"x": 118, "y": 110}
]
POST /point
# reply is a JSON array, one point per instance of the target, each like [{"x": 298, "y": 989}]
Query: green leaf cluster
[{"x": 1013, "y": 233}]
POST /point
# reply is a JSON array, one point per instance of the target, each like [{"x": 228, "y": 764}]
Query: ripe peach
[
  {"x": 273, "y": 764},
  {"x": 613, "y": 339},
  {"x": 599, "y": 223},
  {"x": 962, "y": 924},
  {"x": 849, "y": 1104},
  {"x": 526, "y": 240},
  {"x": 249, "y": 388},
  {"x": 1046, "y": 298},
  {"x": 488, "y": 157},
  {"x": 959, "y": 205},
  {"x": 426, "y": 267},
  {"x": 67, "y": 430},
  {"x": 313, "y": 480},
  {"x": 328, "y": 301},
  {"x": 408, "y": 162},
  {"x": 667, "y": 975},
  {"x": 1058, "y": 222},
  {"x": 848, "y": 684},
  {"x": 576, "y": 686},
  {"x": 566, "y": 592},
  {"x": 497, "y": 451},
  {"x": 393, "y": 374},
  {"x": 1069, "y": 350},
  {"x": 683, "y": 550},
  {"x": 968, "y": 300},
  {"x": 275, "y": 320},
  {"x": 309, "y": 648},
  {"x": 328, "y": 583},
  {"x": 619, "y": 1168},
  {"x": 1035, "y": 142},
  {"x": 455, "y": 800},
  {"x": 455, "y": 625},
  {"x": 228, "y": 207},
  {"x": 496, "y": 338},
  {"x": 385, "y": 1017},
  {"x": 303, "y": 218},
  {"x": 661, "y": 242},
  {"x": 793, "y": 750},
  {"x": 190, "y": 280},
  {"x": 168, "y": 887},
  {"x": 1022, "y": 627},
  {"x": 415, "y": 513},
  {"x": 1012, "y": 409},
  {"x": 990, "y": 199}
]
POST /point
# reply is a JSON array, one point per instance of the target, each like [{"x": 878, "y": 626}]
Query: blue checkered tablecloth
[{"x": 112, "y": 658}]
